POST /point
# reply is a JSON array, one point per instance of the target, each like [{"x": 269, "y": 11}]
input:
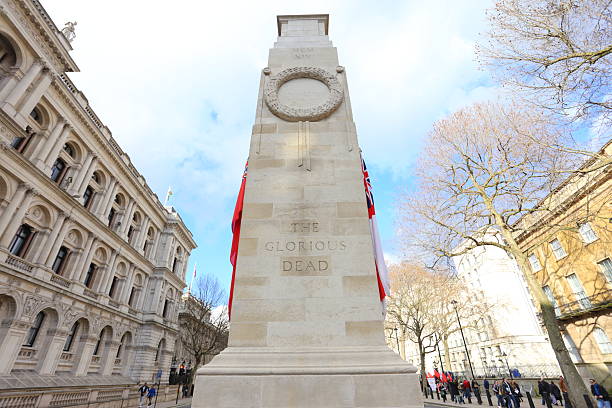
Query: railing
[
  {"x": 19, "y": 401},
  {"x": 26, "y": 353},
  {"x": 90, "y": 293},
  {"x": 65, "y": 356},
  {"x": 596, "y": 302},
  {"x": 19, "y": 263},
  {"x": 60, "y": 281},
  {"x": 69, "y": 398},
  {"x": 108, "y": 395}
]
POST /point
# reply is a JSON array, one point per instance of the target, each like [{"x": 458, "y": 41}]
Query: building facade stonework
[{"x": 92, "y": 265}]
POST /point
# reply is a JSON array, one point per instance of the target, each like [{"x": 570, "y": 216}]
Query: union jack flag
[{"x": 368, "y": 189}]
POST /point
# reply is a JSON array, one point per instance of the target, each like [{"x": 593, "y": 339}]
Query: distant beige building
[
  {"x": 571, "y": 255},
  {"x": 92, "y": 265}
]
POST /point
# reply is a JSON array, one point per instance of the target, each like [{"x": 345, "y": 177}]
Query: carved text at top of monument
[{"x": 302, "y": 53}]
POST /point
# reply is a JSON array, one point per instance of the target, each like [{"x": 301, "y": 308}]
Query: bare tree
[
  {"x": 419, "y": 306},
  {"x": 557, "y": 53},
  {"x": 482, "y": 169},
  {"x": 203, "y": 321}
]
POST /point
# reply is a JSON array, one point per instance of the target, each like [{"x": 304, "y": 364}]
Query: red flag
[
  {"x": 382, "y": 276},
  {"x": 236, "y": 221},
  {"x": 436, "y": 374}
]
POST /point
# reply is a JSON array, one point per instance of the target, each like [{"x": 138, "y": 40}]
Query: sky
[{"x": 177, "y": 86}]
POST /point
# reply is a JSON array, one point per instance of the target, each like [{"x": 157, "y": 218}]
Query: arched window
[
  {"x": 121, "y": 345},
  {"x": 113, "y": 287},
  {"x": 60, "y": 260},
  {"x": 165, "y": 311},
  {"x": 21, "y": 241},
  {"x": 37, "y": 116},
  {"x": 88, "y": 196},
  {"x": 159, "y": 350},
  {"x": 89, "y": 277},
  {"x": 58, "y": 170},
  {"x": 71, "y": 336},
  {"x": 96, "y": 177},
  {"x": 69, "y": 150},
  {"x": 33, "y": 332},
  {"x": 174, "y": 264},
  {"x": 8, "y": 56}
]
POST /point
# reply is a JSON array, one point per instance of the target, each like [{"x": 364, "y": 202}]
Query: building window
[
  {"x": 34, "y": 330},
  {"x": 603, "y": 341},
  {"x": 549, "y": 294},
  {"x": 111, "y": 217},
  {"x": 60, "y": 260},
  {"x": 535, "y": 263},
  {"x": 89, "y": 278},
  {"x": 71, "y": 336},
  {"x": 557, "y": 249},
  {"x": 578, "y": 289},
  {"x": 587, "y": 233},
  {"x": 37, "y": 116},
  {"x": 21, "y": 241},
  {"x": 174, "y": 264},
  {"x": 159, "y": 350},
  {"x": 87, "y": 197},
  {"x": 131, "y": 299},
  {"x": 58, "y": 170},
  {"x": 165, "y": 311},
  {"x": 69, "y": 150},
  {"x": 97, "y": 348},
  {"x": 571, "y": 348},
  {"x": 96, "y": 177},
  {"x": 606, "y": 268},
  {"x": 130, "y": 233},
  {"x": 113, "y": 286},
  {"x": 21, "y": 142}
]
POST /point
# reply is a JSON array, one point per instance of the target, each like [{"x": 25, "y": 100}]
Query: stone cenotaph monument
[{"x": 307, "y": 322}]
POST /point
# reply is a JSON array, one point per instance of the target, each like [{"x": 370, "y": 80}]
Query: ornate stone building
[
  {"x": 570, "y": 252},
  {"x": 92, "y": 265}
]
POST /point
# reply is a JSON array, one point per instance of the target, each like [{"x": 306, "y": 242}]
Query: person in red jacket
[{"x": 467, "y": 389}]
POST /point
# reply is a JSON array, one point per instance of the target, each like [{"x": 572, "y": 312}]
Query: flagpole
[{"x": 192, "y": 278}]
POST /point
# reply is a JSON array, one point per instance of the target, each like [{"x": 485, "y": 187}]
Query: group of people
[
  {"x": 147, "y": 393},
  {"x": 553, "y": 391},
  {"x": 459, "y": 391}
]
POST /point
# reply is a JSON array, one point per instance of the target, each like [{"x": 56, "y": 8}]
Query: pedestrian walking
[
  {"x": 601, "y": 395},
  {"x": 544, "y": 390},
  {"x": 497, "y": 390},
  {"x": 151, "y": 395},
  {"x": 476, "y": 388},
  {"x": 556, "y": 392},
  {"x": 509, "y": 394},
  {"x": 454, "y": 390},
  {"x": 144, "y": 389},
  {"x": 467, "y": 389}
]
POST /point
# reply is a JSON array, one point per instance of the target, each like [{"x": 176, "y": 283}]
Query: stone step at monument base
[{"x": 322, "y": 377}]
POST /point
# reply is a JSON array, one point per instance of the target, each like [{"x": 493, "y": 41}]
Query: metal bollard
[
  {"x": 437, "y": 393},
  {"x": 478, "y": 398},
  {"x": 489, "y": 398},
  {"x": 588, "y": 401},
  {"x": 530, "y": 400}
]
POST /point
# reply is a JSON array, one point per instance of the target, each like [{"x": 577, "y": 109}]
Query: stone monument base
[{"x": 317, "y": 378}]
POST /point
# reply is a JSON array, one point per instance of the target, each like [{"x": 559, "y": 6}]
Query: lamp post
[
  {"x": 397, "y": 341},
  {"x": 439, "y": 354},
  {"x": 454, "y": 303},
  {"x": 505, "y": 356}
]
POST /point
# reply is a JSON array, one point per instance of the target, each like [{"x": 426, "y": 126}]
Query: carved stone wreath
[{"x": 312, "y": 113}]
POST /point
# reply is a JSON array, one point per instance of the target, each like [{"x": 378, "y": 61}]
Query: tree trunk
[
  {"x": 423, "y": 373},
  {"x": 575, "y": 384}
]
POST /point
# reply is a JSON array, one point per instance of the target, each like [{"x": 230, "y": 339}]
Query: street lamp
[
  {"x": 439, "y": 354},
  {"x": 396, "y": 338},
  {"x": 505, "y": 356},
  {"x": 454, "y": 303}
]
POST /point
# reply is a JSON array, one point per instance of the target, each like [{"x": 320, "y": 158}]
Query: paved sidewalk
[{"x": 183, "y": 403}]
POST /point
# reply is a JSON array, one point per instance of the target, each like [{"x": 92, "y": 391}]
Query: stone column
[
  {"x": 13, "y": 336},
  {"x": 142, "y": 293},
  {"x": 107, "y": 362},
  {"x": 108, "y": 274},
  {"x": 154, "y": 248},
  {"x": 59, "y": 143},
  {"x": 52, "y": 352},
  {"x": 59, "y": 240},
  {"x": 77, "y": 178},
  {"x": 107, "y": 200},
  {"x": 14, "y": 202},
  {"x": 34, "y": 97},
  {"x": 17, "y": 92},
  {"x": 17, "y": 219},
  {"x": 81, "y": 365},
  {"x": 88, "y": 174},
  {"x": 127, "y": 219},
  {"x": 129, "y": 281},
  {"x": 143, "y": 234},
  {"x": 46, "y": 248},
  {"x": 40, "y": 153},
  {"x": 81, "y": 269}
]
